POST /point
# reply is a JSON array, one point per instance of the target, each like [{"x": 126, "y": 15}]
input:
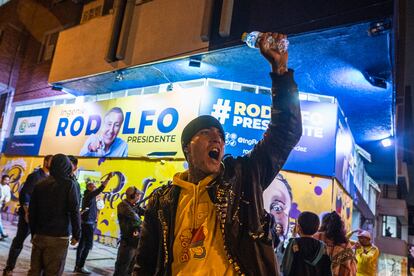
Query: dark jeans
[
  {"x": 85, "y": 244},
  {"x": 48, "y": 255},
  {"x": 126, "y": 259},
  {"x": 16, "y": 247}
]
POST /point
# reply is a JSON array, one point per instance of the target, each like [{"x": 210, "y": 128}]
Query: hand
[
  {"x": 357, "y": 245},
  {"x": 95, "y": 144},
  {"x": 26, "y": 217},
  {"x": 73, "y": 241},
  {"x": 277, "y": 60}
]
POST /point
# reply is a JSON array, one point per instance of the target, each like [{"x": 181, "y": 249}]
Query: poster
[
  {"x": 342, "y": 204},
  {"x": 291, "y": 194},
  {"x": 245, "y": 117},
  {"x": 150, "y": 126},
  {"x": 135, "y": 126}
]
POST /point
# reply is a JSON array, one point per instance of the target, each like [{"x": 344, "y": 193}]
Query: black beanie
[{"x": 197, "y": 124}]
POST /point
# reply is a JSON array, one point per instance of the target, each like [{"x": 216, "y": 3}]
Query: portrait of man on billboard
[
  {"x": 106, "y": 143},
  {"x": 277, "y": 200}
]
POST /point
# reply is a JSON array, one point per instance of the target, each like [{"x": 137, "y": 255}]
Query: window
[
  {"x": 92, "y": 10},
  {"x": 48, "y": 46},
  {"x": 391, "y": 227}
]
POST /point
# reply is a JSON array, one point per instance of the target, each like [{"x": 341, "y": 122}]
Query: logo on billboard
[
  {"x": 231, "y": 139},
  {"x": 27, "y": 126}
]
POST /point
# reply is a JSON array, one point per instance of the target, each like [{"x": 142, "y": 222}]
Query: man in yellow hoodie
[
  {"x": 211, "y": 220},
  {"x": 366, "y": 254}
]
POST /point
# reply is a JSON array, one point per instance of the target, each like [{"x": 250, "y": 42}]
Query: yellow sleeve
[{"x": 371, "y": 257}]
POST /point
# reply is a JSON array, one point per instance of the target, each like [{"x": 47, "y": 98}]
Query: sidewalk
[{"x": 101, "y": 259}]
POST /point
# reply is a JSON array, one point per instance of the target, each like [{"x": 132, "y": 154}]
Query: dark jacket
[
  {"x": 89, "y": 209},
  {"x": 129, "y": 222},
  {"x": 306, "y": 257},
  {"x": 237, "y": 194},
  {"x": 54, "y": 204},
  {"x": 27, "y": 188}
]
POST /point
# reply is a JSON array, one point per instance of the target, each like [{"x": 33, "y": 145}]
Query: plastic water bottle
[{"x": 252, "y": 39}]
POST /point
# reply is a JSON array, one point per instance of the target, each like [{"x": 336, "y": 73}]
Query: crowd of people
[
  {"x": 210, "y": 220},
  {"x": 53, "y": 211}
]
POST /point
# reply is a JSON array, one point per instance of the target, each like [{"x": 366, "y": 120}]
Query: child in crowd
[{"x": 305, "y": 255}]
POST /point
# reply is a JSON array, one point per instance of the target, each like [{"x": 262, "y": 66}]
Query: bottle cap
[{"x": 244, "y": 37}]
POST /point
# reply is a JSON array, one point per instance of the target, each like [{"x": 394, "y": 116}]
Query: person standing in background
[
  {"x": 5, "y": 197},
  {"x": 338, "y": 247},
  {"x": 89, "y": 215},
  {"x": 130, "y": 227},
  {"x": 54, "y": 207},
  {"x": 306, "y": 256},
  {"x": 366, "y": 254},
  {"x": 23, "y": 229}
]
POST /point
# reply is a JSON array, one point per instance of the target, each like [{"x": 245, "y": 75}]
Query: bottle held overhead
[{"x": 252, "y": 40}]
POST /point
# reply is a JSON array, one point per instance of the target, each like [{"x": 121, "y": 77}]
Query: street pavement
[{"x": 101, "y": 259}]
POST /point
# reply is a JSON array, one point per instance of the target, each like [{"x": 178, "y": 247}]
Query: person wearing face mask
[
  {"x": 211, "y": 220},
  {"x": 107, "y": 144}
]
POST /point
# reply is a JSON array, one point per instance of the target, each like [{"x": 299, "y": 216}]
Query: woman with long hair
[
  {"x": 278, "y": 241},
  {"x": 339, "y": 249}
]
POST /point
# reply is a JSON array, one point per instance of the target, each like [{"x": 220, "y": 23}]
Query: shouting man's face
[{"x": 205, "y": 151}]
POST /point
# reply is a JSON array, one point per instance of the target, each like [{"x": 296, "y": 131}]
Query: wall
[{"x": 160, "y": 30}]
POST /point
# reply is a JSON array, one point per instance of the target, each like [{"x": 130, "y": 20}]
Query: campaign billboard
[
  {"x": 151, "y": 125},
  {"x": 26, "y": 132},
  {"x": 245, "y": 116},
  {"x": 136, "y": 126}
]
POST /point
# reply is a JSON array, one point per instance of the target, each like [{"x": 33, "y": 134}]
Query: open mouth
[{"x": 214, "y": 153}]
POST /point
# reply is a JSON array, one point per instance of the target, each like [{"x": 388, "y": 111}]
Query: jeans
[
  {"x": 16, "y": 247},
  {"x": 48, "y": 255},
  {"x": 85, "y": 244},
  {"x": 125, "y": 259}
]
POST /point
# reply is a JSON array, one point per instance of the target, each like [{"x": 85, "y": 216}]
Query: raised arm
[{"x": 285, "y": 127}]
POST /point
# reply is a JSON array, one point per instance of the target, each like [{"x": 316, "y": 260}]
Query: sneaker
[{"x": 82, "y": 270}]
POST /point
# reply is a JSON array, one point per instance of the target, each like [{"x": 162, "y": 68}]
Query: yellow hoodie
[{"x": 198, "y": 247}]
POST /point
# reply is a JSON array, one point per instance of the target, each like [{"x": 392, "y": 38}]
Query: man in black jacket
[
  {"x": 23, "y": 229},
  {"x": 54, "y": 207},
  {"x": 129, "y": 224},
  {"x": 89, "y": 214},
  {"x": 211, "y": 220}
]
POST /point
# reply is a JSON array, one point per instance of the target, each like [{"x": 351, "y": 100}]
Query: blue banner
[
  {"x": 26, "y": 133},
  {"x": 245, "y": 117}
]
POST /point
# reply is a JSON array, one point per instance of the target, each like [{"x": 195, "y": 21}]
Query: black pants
[
  {"x": 85, "y": 244},
  {"x": 48, "y": 255},
  {"x": 126, "y": 258},
  {"x": 16, "y": 247}
]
